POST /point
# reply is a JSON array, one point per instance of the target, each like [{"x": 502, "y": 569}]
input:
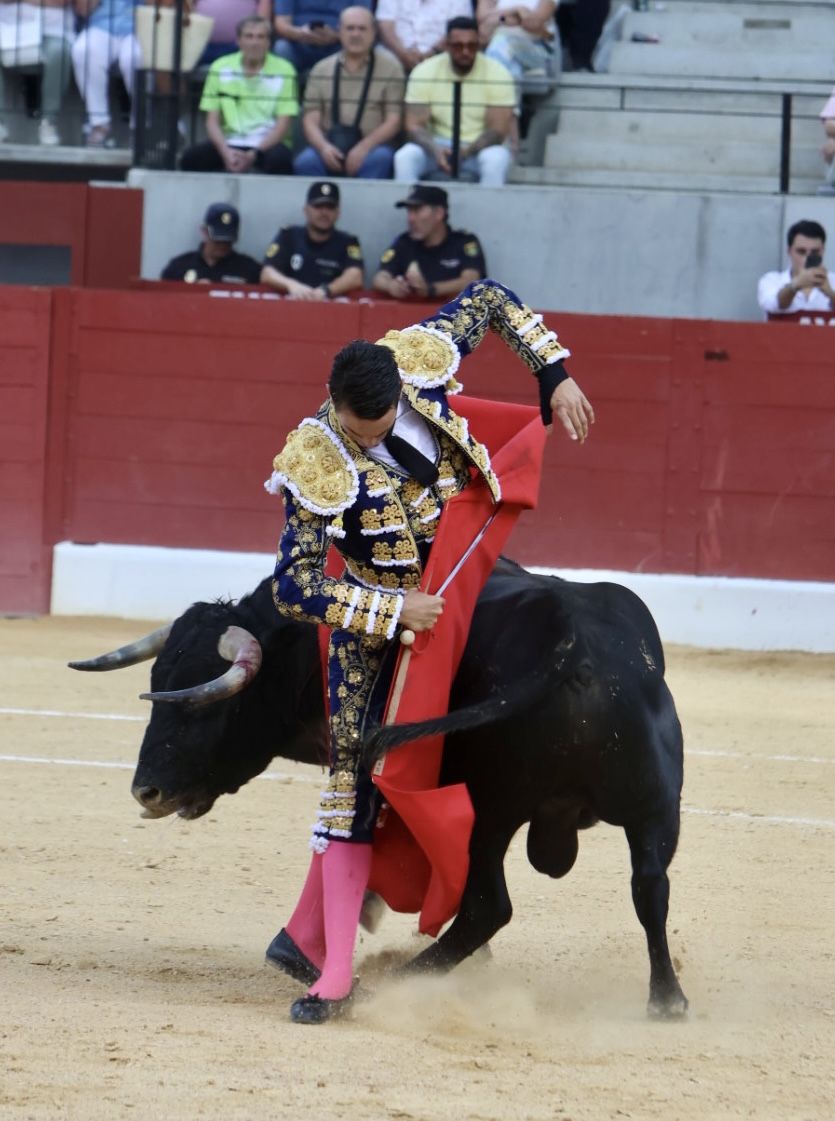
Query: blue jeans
[{"x": 377, "y": 164}]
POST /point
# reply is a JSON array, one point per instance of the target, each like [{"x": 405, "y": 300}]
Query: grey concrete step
[
  {"x": 680, "y": 61},
  {"x": 695, "y": 148},
  {"x": 734, "y": 27},
  {"x": 700, "y": 182}
]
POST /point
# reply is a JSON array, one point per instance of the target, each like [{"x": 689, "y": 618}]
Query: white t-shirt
[
  {"x": 409, "y": 426},
  {"x": 421, "y": 23},
  {"x": 772, "y": 282}
]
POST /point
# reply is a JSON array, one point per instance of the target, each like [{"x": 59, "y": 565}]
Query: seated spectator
[
  {"x": 828, "y": 149},
  {"x": 215, "y": 261},
  {"x": 250, "y": 99},
  {"x": 308, "y": 30},
  {"x": 523, "y": 38},
  {"x": 353, "y": 105},
  {"x": 430, "y": 260},
  {"x": 315, "y": 261},
  {"x": 416, "y": 29},
  {"x": 227, "y": 14},
  {"x": 487, "y": 105},
  {"x": 107, "y": 38},
  {"x": 57, "y": 22},
  {"x": 803, "y": 286}
]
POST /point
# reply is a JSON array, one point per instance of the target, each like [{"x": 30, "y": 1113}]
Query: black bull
[{"x": 559, "y": 717}]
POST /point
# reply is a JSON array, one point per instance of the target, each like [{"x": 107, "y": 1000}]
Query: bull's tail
[{"x": 504, "y": 703}]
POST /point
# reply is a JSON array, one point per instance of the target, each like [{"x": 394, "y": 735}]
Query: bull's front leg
[
  {"x": 485, "y": 906},
  {"x": 652, "y": 845}
]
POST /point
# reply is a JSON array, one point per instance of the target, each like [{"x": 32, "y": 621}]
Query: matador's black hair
[{"x": 364, "y": 379}]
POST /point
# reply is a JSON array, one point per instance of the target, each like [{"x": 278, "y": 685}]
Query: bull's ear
[
  {"x": 237, "y": 646},
  {"x": 140, "y": 651}
]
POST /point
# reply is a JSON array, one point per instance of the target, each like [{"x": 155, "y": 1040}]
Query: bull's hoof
[
  {"x": 671, "y": 1007},
  {"x": 285, "y": 955},
  {"x": 318, "y": 1010}
]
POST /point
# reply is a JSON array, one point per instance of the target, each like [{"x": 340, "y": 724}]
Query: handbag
[
  {"x": 20, "y": 35},
  {"x": 344, "y": 137},
  {"x": 155, "y": 30}
]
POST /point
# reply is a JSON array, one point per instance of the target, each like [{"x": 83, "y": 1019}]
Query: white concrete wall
[
  {"x": 596, "y": 250},
  {"x": 155, "y": 583}
]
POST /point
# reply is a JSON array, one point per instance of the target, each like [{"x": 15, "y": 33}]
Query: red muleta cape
[{"x": 421, "y": 848}]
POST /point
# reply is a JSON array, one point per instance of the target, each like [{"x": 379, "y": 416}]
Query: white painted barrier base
[{"x": 137, "y": 582}]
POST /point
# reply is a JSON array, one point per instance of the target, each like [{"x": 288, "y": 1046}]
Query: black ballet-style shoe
[
  {"x": 285, "y": 955},
  {"x": 318, "y": 1009}
]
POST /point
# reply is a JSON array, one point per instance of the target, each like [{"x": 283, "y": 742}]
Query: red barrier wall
[
  {"x": 712, "y": 454},
  {"x": 101, "y": 225},
  {"x": 24, "y": 386}
]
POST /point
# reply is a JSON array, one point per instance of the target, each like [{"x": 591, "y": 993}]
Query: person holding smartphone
[
  {"x": 308, "y": 30},
  {"x": 806, "y": 285}
]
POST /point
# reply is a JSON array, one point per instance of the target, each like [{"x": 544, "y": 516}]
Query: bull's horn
[
  {"x": 139, "y": 651},
  {"x": 236, "y": 645}
]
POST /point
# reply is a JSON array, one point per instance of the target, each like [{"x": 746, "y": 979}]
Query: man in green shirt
[
  {"x": 250, "y": 99},
  {"x": 487, "y": 108}
]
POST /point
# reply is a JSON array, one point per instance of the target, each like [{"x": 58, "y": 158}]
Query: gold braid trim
[
  {"x": 316, "y": 469},
  {"x": 426, "y": 357}
]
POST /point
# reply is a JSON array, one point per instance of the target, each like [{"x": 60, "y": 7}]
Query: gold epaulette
[
  {"x": 316, "y": 469},
  {"x": 426, "y": 357}
]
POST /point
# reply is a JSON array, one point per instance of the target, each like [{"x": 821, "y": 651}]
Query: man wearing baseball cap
[
  {"x": 215, "y": 260},
  {"x": 315, "y": 261},
  {"x": 429, "y": 259}
]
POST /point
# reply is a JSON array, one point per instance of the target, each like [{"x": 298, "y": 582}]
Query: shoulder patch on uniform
[
  {"x": 426, "y": 357},
  {"x": 387, "y": 256},
  {"x": 354, "y": 251},
  {"x": 472, "y": 248},
  {"x": 272, "y": 249},
  {"x": 316, "y": 469}
]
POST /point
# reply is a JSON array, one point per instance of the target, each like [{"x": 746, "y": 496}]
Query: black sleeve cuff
[{"x": 549, "y": 377}]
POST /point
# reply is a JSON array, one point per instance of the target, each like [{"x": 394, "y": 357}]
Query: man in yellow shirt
[{"x": 487, "y": 104}]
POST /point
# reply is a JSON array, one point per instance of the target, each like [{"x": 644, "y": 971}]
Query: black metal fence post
[
  {"x": 455, "y": 159},
  {"x": 785, "y": 142}
]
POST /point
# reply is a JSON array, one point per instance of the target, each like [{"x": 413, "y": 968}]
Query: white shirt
[
  {"x": 412, "y": 428},
  {"x": 772, "y": 282},
  {"x": 421, "y": 23}
]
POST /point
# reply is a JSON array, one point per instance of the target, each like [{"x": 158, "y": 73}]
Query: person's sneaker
[
  {"x": 4, "y": 133},
  {"x": 99, "y": 136},
  {"x": 48, "y": 133}
]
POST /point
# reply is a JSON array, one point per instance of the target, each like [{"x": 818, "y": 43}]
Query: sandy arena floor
[{"x": 131, "y": 975}]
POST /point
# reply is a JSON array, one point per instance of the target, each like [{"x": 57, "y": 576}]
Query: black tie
[{"x": 413, "y": 462}]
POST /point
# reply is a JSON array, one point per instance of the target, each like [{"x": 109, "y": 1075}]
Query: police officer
[
  {"x": 430, "y": 259},
  {"x": 315, "y": 261},
  {"x": 216, "y": 260}
]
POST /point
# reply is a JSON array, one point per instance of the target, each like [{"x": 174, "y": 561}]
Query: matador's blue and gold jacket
[{"x": 377, "y": 517}]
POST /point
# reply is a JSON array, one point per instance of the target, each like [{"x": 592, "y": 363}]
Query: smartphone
[{"x": 814, "y": 259}]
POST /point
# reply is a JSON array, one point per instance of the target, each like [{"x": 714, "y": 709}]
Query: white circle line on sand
[
  {"x": 283, "y": 776},
  {"x": 704, "y": 753}
]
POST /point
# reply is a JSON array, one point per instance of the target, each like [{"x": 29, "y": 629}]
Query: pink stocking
[
  {"x": 307, "y": 923},
  {"x": 345, "y": 871}
]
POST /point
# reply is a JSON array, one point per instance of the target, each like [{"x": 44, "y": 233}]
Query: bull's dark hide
[{"x": 560, "y": 717}]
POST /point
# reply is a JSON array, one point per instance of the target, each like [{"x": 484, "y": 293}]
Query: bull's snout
[{"x": 151, "y": 799}]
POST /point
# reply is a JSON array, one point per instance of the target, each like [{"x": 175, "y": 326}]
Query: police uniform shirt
[
  {"x": 296, "y": 255},
  {"x": 458, "y": 251},
  {"x": 235, "y": 268}
]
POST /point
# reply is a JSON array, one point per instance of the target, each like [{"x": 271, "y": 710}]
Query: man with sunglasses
[
  {"x": 315, "y": 261},
  {"x": 806, "y": 285},
  {"x": 487, "y": 106}
]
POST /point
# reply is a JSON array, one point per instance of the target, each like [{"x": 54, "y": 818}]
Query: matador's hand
[
  {"x": 572, "y": 407},
  {"x": 420, "y": 611}
]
